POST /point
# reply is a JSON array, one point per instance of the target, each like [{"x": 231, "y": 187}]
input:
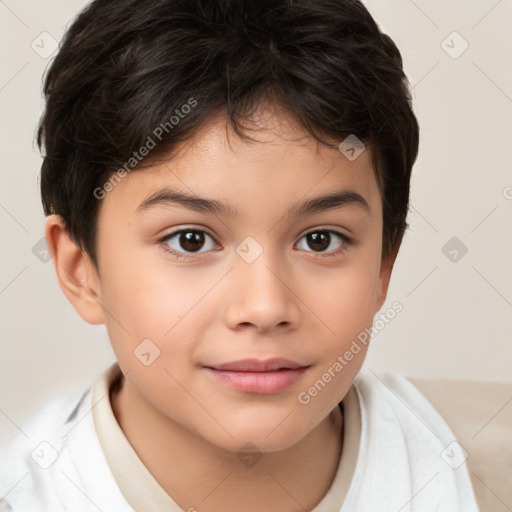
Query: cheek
[
  {"x": 344, "y": 298},
  {"x": 343, "y": 309},
  {"x": 352, "y": 302},
  {"x": 344, "y": 305},
  {"x": 150, "y": 296},
  {"x": 157, "y": 303}
]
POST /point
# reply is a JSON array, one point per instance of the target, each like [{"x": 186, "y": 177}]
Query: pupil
[
  {"x": 190, "y": 239},
  {"x": 320, "y": 238}
]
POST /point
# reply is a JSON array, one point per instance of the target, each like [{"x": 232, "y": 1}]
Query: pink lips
[{"x": 260, "y": 377}]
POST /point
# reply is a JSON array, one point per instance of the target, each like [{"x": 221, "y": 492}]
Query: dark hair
[{"x": 125, "y": 68}]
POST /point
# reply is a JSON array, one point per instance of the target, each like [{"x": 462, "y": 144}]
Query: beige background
[{"x": 457, "y": 316}]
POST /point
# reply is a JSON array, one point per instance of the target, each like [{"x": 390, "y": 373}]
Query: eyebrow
[{"x": 337, "y": 199}]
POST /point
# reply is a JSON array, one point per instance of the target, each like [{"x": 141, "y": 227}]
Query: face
[{"x": 188, "y": 286}]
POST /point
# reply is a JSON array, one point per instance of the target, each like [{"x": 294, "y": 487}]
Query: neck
[{"x": 196, "y": 473}]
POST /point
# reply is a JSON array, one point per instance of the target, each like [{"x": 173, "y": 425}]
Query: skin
[{"x": 212, "y": 307}]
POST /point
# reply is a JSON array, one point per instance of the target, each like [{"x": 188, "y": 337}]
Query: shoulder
[
  {"x": 480, "y": 416},
  {"x": 27, "y": 459},
  {"x": 55, "y": 461}
]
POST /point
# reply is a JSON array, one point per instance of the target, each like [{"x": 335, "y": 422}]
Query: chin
[{"x": 265, "y": 437}]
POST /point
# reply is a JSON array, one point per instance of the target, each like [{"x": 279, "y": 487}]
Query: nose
[{"x": 261, "y": 296}]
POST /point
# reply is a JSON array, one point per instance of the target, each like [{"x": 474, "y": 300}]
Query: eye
[
  {"x": 323, "y": 241},
  {"x": 187, "y": 241}
]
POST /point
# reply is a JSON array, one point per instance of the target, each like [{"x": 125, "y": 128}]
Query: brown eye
[
  {"x": 328, "y": 241},
  {"x": 188, "y": 241},
  {"x": 191, "y": 240},
  {"x": 319, "y": 241}
]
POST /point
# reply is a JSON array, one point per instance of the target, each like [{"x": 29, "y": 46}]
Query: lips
[
  {"x": 256, "y": 376},
  {"x": 256, "y": 365}
]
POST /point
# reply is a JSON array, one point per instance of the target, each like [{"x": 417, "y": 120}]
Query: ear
[
  {"x": 76, "y": 274},
  {"x": 386, "y": 267}
]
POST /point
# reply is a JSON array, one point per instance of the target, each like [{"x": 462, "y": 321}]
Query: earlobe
[{"x": 77, "y": 276}]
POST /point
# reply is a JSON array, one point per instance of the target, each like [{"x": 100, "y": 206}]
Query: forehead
[{"x": 283, "y": 165}]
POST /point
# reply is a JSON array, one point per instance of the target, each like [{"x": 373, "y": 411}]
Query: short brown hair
[{"x": 125, "y": 67}]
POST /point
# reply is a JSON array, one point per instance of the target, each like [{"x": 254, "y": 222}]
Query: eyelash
[{"x": 346, "y": 241}]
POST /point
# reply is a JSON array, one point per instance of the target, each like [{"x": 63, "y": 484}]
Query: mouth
[
  {"x": 257, "y": 365},
  {"x": 258, "y": 377}
]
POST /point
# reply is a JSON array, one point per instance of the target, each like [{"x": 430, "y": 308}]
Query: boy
[{"x": 278, "y": 138}]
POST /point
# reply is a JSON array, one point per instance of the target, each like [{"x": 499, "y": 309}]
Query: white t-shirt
[{"x": 398, "y": 455}]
